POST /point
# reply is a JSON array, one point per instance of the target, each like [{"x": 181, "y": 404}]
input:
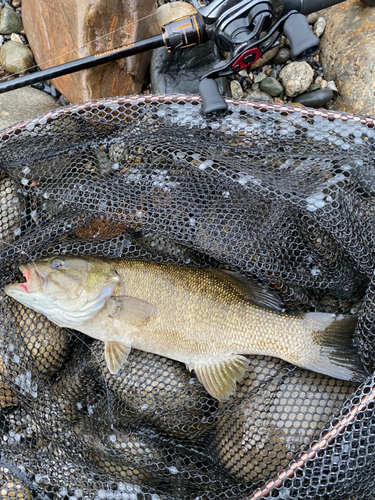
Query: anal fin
[
  {"x": 220, "y": 378},
  {"x": 115, "y": 355}
]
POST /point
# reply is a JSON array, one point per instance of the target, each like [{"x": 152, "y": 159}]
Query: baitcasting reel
[
  {"x": 237, "y": 28},
  {"x": 246, "y": 29}
]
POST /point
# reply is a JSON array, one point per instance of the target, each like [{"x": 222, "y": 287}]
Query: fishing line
[{"x": 129, "y": 23}]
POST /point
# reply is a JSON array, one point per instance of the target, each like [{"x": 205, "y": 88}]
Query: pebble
[
  {"x": 260, "y": 77},
  {"x": 16, "y": 38},
  {"x": 323, "y": 84},
  {"x": 284, "y": 41},
  {"x": 10, "y": 22},
  {"x": 331, "y": 85},
  {"x": 314, "y": 86},
  {"x": 271, "y": 86},
  {"x": 296, "y": 78},
  {"x": 282, "y": 56},
  {"x": 315, "y": 99},
  {"x": 319, "y": 26},
  {"x": 313, "y": 17},
  {"x": 16, "y": 3},
  {"x": 236, "y": 89},
  {"x": 274, "y": 73},
  {"x": 16, "y": 57},
  {"x": 257, "y": 95}
]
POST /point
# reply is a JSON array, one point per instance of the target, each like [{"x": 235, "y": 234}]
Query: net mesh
[{"x": 282, "y": 195}]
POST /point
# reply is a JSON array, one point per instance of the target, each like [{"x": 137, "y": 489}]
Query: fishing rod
[{"x": 235, "y": 26}]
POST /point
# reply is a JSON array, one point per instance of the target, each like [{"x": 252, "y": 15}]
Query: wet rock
[
  {"x": 236, "y": 89},
  {"x": 171, "y": 11},
  {"x": 81, "y": 22},
  {"x": 19, "y": 104},
  {"x": 282, "y": 56},
  {"x": 258, "y": 95},
  {"x": 296, "y": 78},
  {"x": 179, "y": 72},
  {"x": 315, "y": 99},
  {"x": 271, "y": 86},
  {"x": 10, "y": 22},
  {"x": 319, "y": 26},
  {"x": 348, "y": 56},
  {"x": 15, "y": 57}
]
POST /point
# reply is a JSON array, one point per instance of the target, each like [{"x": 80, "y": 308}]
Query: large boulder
[
  {"x": 55, "y": 31},
  {"x": 348, "y": 55}
]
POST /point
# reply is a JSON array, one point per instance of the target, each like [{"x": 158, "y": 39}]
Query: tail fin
[{"x": 338, "y": 358}]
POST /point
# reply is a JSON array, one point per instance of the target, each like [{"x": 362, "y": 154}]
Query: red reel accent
[{"x": 243, "y": 61}]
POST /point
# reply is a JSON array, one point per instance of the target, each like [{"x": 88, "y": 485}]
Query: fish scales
[
  {"x": 208, "y": 315},
  {"x": 205, "y": 318}
]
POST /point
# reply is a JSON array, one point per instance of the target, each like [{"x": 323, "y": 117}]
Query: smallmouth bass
[{"x": 205, "y": 318}]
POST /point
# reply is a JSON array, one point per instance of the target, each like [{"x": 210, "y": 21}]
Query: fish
[{"x": 206, "y": 318}]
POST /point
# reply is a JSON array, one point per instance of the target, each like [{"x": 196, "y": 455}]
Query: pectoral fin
[
  {"x": 130, "y": 310},
  {"x": 220, "y": 379},
  {"x": 115, "y": 355}
]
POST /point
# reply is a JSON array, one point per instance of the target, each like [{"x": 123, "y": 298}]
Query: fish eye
[{"x": 57, "y": 263}]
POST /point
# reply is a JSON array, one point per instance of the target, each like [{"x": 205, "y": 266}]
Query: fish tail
[{"x": 337, "y": 356}]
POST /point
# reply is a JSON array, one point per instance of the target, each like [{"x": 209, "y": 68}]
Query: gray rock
[
  {"x": 271, "y": 86},
  {"x": 260, "y": 77},
  {"x": 315, "y": 99},
  {"x": 257, "y": 95},
  {"x": 319, "y": 26},
  {"x": 282, "y": 56},
  {"x": 10, "y": 22},
  {"x": 20, "y": 104},
  {"x": 296, "y": 78},
  {"x": 179, "y": 72},
  {"x": 16, "y": 57},
  {"x": 236, "y": 89}
]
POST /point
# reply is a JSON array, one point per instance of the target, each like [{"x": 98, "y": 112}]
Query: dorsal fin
[{"x": 256, "y": 293}]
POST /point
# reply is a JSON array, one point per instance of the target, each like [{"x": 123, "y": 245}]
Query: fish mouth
[{"x": 35, "y": 280}]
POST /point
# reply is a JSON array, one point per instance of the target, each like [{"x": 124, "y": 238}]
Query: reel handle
[
  {"x": 212, "y": 102},
  {"x": 303, "y": 42}
]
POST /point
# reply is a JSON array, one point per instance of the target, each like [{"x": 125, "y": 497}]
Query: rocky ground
[{"x": 275, "y": 78}]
